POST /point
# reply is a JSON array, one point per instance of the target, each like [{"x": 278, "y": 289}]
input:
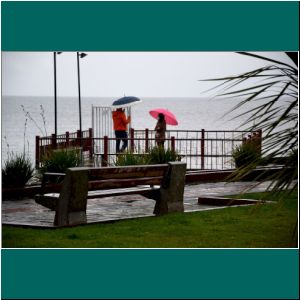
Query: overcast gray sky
[{"x": 113, "y": 74}]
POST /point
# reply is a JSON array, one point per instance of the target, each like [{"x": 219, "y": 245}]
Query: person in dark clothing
[{"x": 160, "y": 130}]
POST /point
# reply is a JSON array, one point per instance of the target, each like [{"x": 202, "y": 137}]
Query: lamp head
[{"x": 82, "y": 55}]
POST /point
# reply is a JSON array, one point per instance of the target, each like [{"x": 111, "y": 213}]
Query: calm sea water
[{"x": 17, "y": 133}]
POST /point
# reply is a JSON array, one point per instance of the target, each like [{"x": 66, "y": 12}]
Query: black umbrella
[{"x": 126, "y": 101}]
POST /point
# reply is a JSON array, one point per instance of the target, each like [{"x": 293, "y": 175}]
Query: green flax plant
[
  {"x": 129, "y": 159},
  {"x": 160, "y": 155},
  {"x": 58, "y": 161},
  {"x": 275, "y": 96},
  {"x": 245, "y": 154},
  {"x": 17, "y": 169},
  {"x": 156, "y": 155}
]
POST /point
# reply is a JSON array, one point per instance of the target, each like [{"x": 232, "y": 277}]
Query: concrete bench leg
[
  {"x": 172, "y": 189},
  {"x": 71, "y": 208}
]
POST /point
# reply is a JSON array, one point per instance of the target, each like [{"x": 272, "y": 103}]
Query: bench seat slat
[
  {"x": 50, "y": 200},
  {"x": 145, "y": 191}
]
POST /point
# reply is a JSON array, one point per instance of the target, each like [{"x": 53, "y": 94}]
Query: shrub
[
  {"x": 17, "y": 171},
  {"x": 158, "y": 155},
  {"x": 128, "y": 159},
  {"x": 60, "y": 160},
  {"x": 245, "y": 154}
]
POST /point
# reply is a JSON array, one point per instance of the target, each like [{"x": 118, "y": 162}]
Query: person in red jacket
[{"x": 120, "y": 127}]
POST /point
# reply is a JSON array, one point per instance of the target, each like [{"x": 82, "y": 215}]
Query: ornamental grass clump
[
  {"x": 58, "y": 161},
  {"x": 129, "y": 159},
  {"x": 159, "y": 155},
  {"x": 156, "y": 155},
  {"x": 245, "y": 155},
  {"x": 17, "y": 171}
]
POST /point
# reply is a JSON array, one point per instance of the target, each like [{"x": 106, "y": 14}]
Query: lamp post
[
  {"x": 79, "y": 55},
  {"x": 55, "y": 93}
]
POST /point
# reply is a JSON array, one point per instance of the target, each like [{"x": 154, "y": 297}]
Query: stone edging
[{"x": 222, "y": 201}]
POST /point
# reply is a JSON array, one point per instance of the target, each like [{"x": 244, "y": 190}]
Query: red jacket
[{"x": 120, "y": 121}]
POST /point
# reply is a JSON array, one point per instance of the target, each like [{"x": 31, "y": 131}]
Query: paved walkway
[{"x": 28, "y": 213}]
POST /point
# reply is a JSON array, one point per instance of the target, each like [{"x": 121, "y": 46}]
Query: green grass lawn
[{"x": 256, "y": 226}]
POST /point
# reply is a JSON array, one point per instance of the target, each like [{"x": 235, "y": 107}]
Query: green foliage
[
  {"x": 245, "y": 154},
  {"x": 271, "y": 226},
  {"x": 273, "y": 90},
  {"x": 158, "y": 155},
  {"x": 17, "y": 170},
  {"x": 128, "y": 159},
  {"x": 60, "y": 160},
  {"x": 292, "y": 157},
  {"x": 286, "y": 175}
]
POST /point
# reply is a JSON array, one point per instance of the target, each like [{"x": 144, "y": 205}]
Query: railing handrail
[
  {"x": 65, "y": 134},
  {"x": 181, "y": 130},
  {"x": 170, "y": 139}
]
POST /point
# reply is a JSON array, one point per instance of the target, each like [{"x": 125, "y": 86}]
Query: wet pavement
[{"x": 28, "y": 213}]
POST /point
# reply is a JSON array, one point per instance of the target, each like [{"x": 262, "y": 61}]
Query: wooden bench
[{"x": 162, "y": 183}]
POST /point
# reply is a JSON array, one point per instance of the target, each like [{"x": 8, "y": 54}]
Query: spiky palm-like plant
[{"x": 275, "y": 93}]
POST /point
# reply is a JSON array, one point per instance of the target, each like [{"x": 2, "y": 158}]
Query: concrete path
[{"x": 28, "y": 213}]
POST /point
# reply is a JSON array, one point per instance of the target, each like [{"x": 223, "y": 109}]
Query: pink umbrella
[{"x": 169, "y": 117}]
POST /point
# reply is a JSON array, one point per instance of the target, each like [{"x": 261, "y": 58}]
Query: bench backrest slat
[
  {"x": 123, "y": 183},
  {"x": 116, "y": 177},
  {"x": 127, "y": 172}
]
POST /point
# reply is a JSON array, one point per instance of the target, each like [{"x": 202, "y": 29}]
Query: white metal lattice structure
[{"x": 102, "y": 125}]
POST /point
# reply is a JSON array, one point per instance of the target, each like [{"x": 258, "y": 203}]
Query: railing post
[
  {"x": 202, "y": 148},
  {"x": 90, "y": 142},
  {"x": 67, "y": 139},
  {"x": 53, "y": 141},
  {"x": 146, "y": 140},
  {"x": 105, "y": 152},
  {"x": 37, "y": 151},
  {"x": 78, "y": 142},
  {"x": 131, "y": 139},
  {"x": 173, "y": 143}
]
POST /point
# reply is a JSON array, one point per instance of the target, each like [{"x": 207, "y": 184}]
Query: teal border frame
[
  {"x": 150, "y": 26},
  {"x": 150, "y": 273}
]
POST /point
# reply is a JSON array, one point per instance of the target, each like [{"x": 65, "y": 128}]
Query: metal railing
[
  {"x": 78, "y": 140},
  {"x": 199, "y": 149}
]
